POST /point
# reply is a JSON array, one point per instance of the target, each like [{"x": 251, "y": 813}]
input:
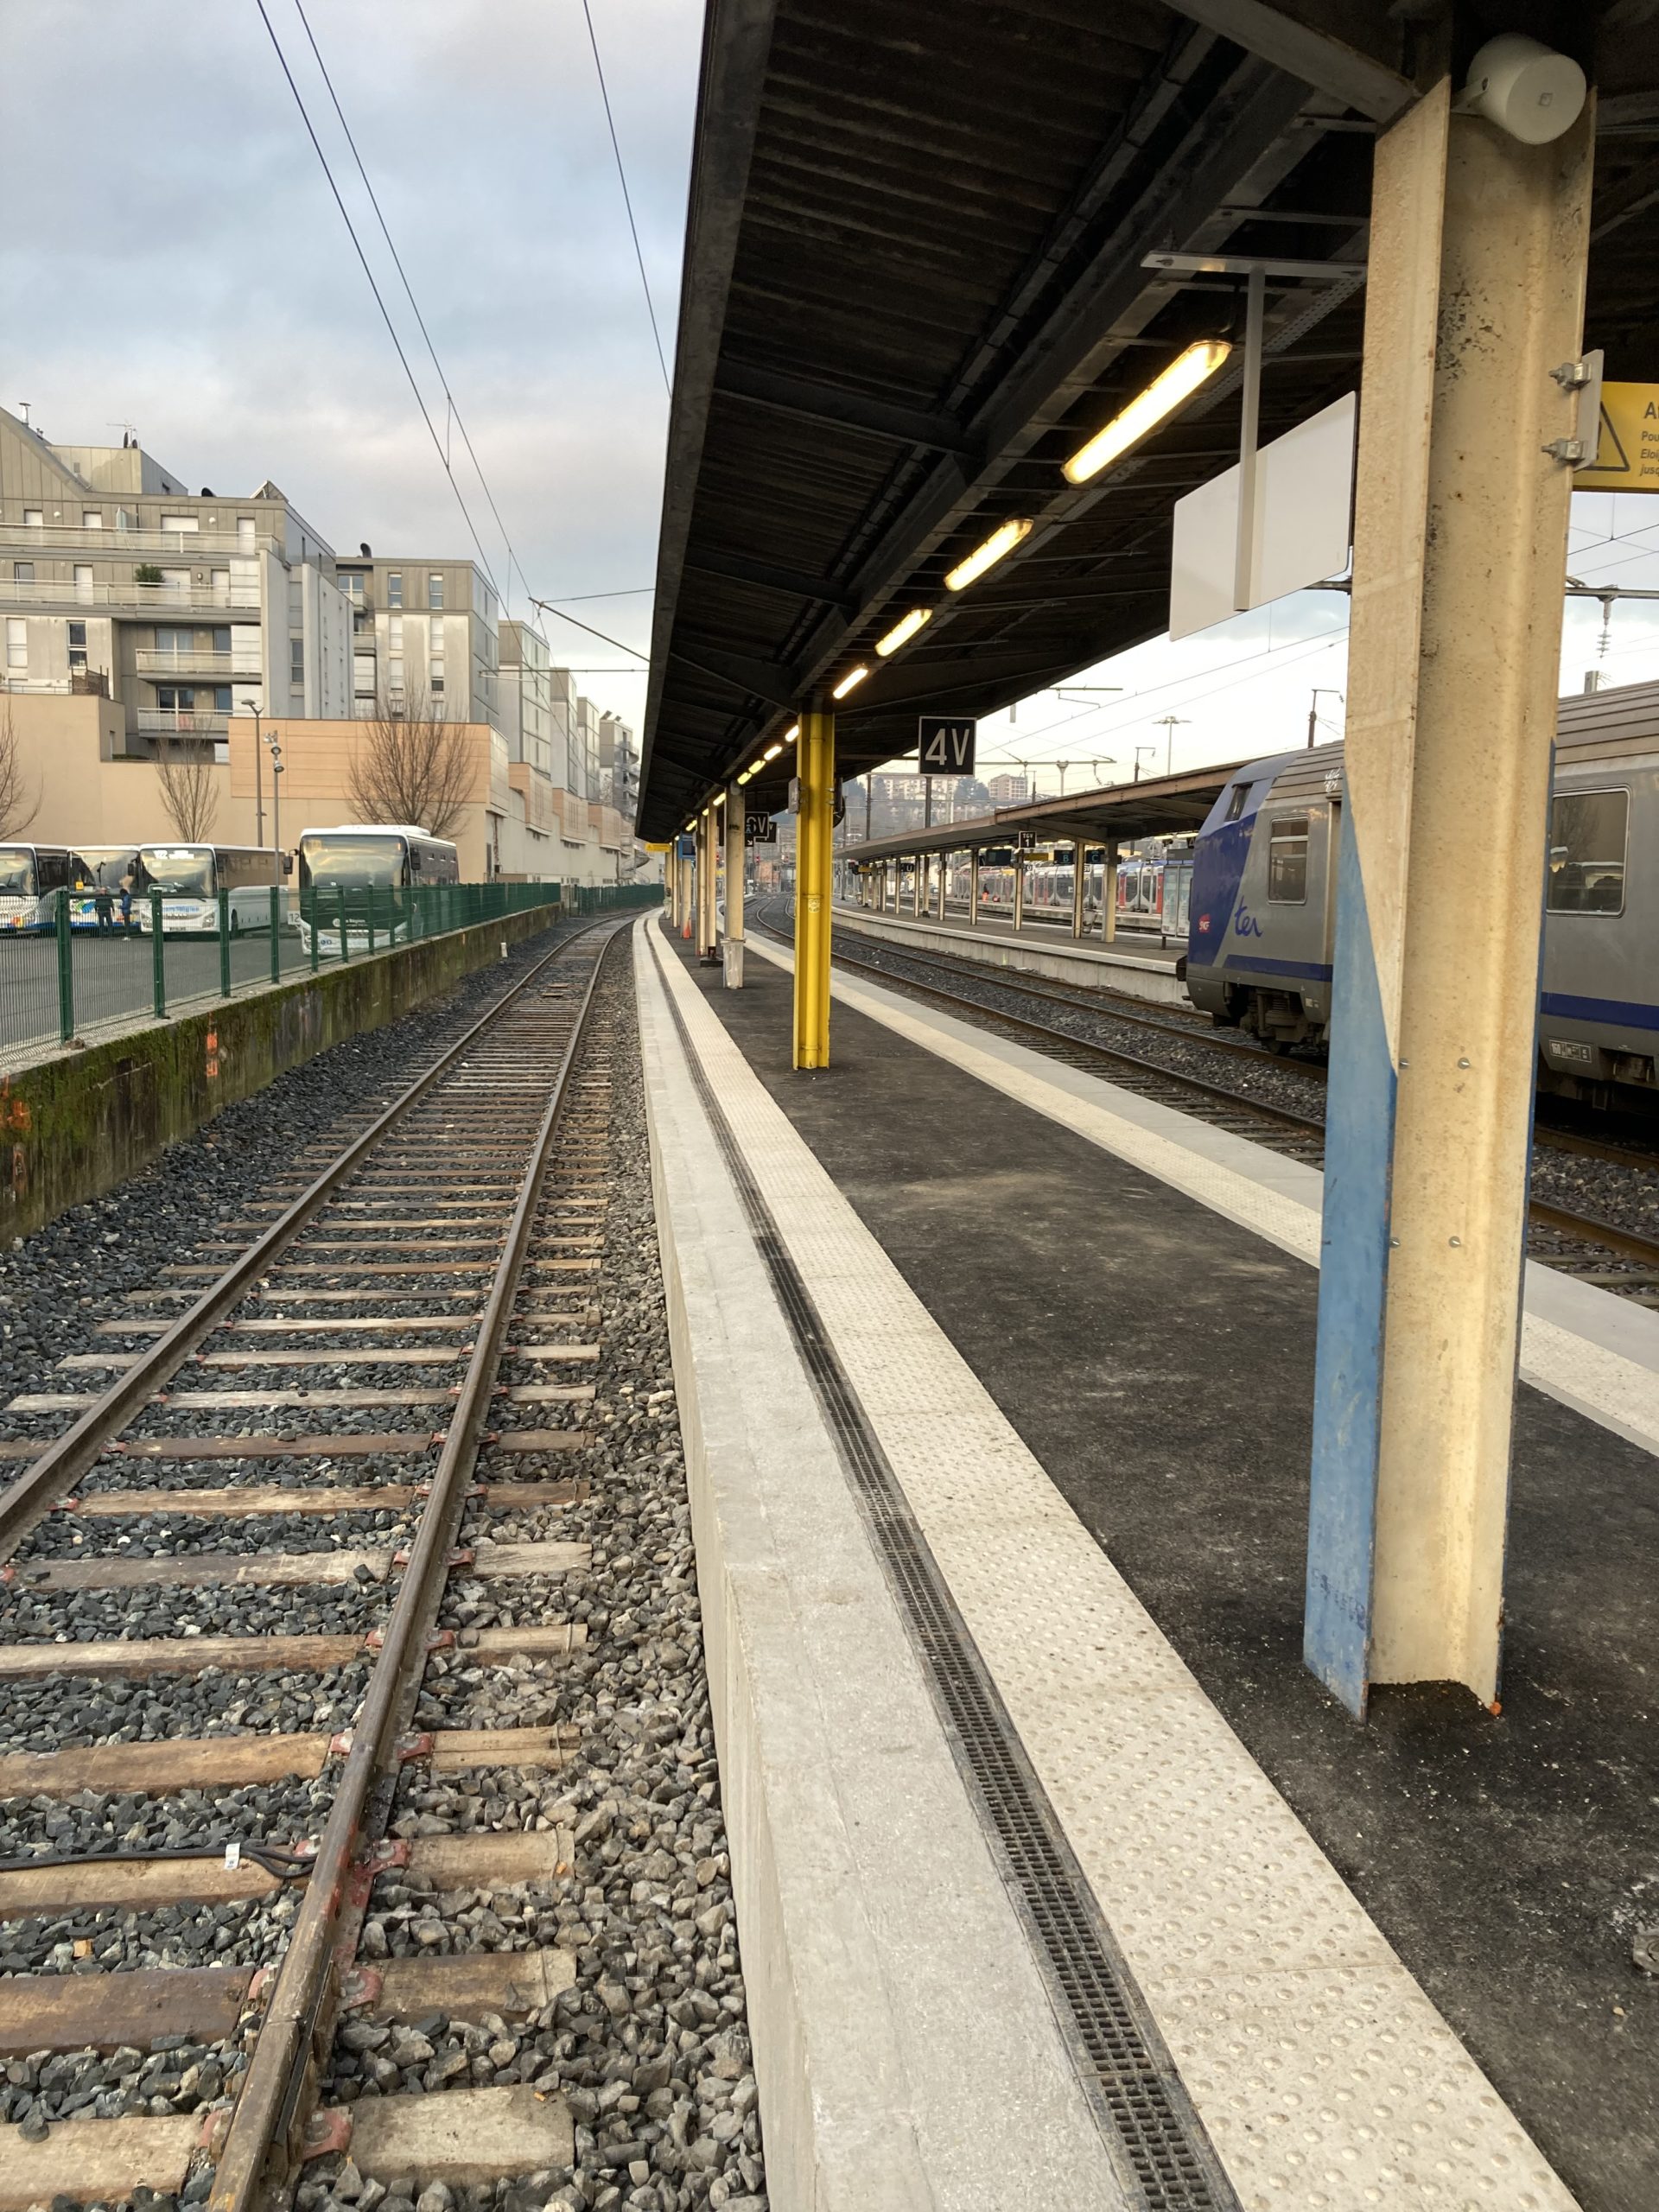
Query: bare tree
[
  {"x": 189, "y": 791},
  {"x": 19, "y": 793},
  {"x": 411, "y": 765}
]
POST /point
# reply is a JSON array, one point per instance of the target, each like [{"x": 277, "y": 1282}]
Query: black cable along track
[{"x": 1155, "y": 2137}]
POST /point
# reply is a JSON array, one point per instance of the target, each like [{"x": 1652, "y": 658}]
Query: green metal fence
[{"x": 58, "y": 982}]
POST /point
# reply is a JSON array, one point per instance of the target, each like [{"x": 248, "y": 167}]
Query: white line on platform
[
  {"x": 1591, "y": 1351},
  {"x": 1325, "y": 2076}
]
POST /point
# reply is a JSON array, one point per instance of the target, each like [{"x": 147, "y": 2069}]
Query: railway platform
[
  {"x": 1060, "y": 1879},
  {"x": 1140, "y": 965}
]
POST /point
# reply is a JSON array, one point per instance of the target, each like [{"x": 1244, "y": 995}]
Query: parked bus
[
  {"x": 372, "y": 863},
  {"x": 103, "y": 886},
  {"x": 31, "y": 878},
  {"x": 190, "y": 878}
]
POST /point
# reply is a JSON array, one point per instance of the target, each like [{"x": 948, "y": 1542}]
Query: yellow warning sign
[
  {"x": 1627, "y": 459},
  {"x": 649, "y": 848}
]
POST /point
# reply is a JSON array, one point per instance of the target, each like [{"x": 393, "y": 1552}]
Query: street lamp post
[
  {"x": 259, "y": 783},
  {"x": 275, "y": 792}
]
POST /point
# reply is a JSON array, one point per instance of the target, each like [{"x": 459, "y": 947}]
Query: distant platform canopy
[
  {"x": 1119, "y": 814},
  {"x": 917, "y": 284}
]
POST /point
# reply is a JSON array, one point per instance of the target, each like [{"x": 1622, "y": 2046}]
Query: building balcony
[
  {"x": 148, "y": 602},
  {"x": 51, "y": 540},
  {"x": 182, "y": 721},
  {"x": 150, "y": 660}
]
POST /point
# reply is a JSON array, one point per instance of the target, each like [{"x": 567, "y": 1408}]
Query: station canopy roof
[
  {"x": 1122, "y": 814},
  {"x": 916, "y": 282}
]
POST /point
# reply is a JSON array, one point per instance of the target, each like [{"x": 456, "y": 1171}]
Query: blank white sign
[{"x": 1304, "y": 510}]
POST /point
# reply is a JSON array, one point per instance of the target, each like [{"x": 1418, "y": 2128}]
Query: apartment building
[
  {"x": 182, "y": 609},
  {"x": 1007, "y": 790},
  {"x": 422, "y": 628}
]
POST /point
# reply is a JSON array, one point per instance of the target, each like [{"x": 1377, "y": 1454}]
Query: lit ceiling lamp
[
  {"x": 1161, "y": 398},
  {"x": 771, "y": 753},
  {"x": 902, "y": 632},
  {"x": 853, "y": 675},
  {"x": 987, "y": 555}
]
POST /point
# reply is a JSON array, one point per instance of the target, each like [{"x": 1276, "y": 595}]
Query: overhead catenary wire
[
  {"x": 513, "y": 561},
  {"x": 627, "y": 200},
  {"x": 391, "y": 330}
]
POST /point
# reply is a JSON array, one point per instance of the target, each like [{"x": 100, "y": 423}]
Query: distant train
[
  {"x": 1263, "y": 901},
  {"x": 1153, "y": 888}
]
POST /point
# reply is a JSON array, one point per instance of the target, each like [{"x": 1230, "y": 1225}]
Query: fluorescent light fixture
[
  {"x": 771, "y": 752},
  {"x": 1168, "y": 391},
  {"x": 853, "y": 675},
  {"x": 902, "y": 632},
  {"x": 987, "y": 555},
  {"x": 791, "y": 733}
]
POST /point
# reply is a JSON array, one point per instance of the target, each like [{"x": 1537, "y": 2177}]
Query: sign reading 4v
[{"x": 946, "y": 744}]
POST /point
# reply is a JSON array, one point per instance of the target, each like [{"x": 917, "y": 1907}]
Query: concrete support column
[
  {"x": 1108, "y": 892},
  {"x": 815, "y": 772},
  {"x": 707, "y": 865},
  {"x": 1019, "y": 887},
  {"x": 916, "y": 865},
  {"x": 973, "y": 888},
  {"x": 732, "y": 949},
  {"x": 944, "y": 880},
  {"x": 1477, "y": 255},
  {"x": 1079, "y": 858}
]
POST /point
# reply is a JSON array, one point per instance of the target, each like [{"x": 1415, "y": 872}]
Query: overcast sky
[{"x": 172, "y": 257}]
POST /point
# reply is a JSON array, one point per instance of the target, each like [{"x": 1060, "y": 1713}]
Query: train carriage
[{"x": 1262, "y": 919}]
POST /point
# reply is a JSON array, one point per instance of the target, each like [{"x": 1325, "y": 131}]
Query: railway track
[
  {"x": 306, "y": 1426},
  {"x": 1559, "y": 1237}
]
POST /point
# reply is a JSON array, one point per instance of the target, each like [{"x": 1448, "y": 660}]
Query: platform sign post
[{"x": 1478, "y": 250}]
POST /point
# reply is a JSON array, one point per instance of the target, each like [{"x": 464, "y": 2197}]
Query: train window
[
  {"x": 1587, "y": 834},
  {"x": 1287, "y": 861},
  {"x": 1235, "y": 805}
]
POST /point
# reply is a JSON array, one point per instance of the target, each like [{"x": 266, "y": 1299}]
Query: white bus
[
  {"x": 190, "y": 878},
  {"x": 360, "y": 858},
  {"x": 31, "y": 878},
  {"x": 103, "y": 886}
]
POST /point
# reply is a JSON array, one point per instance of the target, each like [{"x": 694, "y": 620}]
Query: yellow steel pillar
[
  {"x": 814, "y": 772},
  {"x": 708, "y": 850},
  {"x": 1079, "y": 856}
]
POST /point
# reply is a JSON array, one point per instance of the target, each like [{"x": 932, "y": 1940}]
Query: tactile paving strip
[{"x": 1135, "y": 2089}]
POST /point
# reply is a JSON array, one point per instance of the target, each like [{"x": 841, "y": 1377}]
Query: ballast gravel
[
  {"x": 94, "y": 1822},
  {"x": 649, "y": 2046},
  {"x": 160, "y": 1709}
]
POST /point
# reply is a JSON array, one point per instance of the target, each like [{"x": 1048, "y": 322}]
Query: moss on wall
[{"x": 81, "y": 1123}]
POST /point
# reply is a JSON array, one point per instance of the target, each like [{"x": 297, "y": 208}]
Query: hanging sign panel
[
  {"x": 760, "y": 829},
  {"x": 1627, "y": 459},
  {"x": 946, "y": 744},
  {"x": 1304, "y": 504}
]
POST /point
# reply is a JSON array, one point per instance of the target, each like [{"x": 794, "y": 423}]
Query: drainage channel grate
[{"x": 1128, "y": 2075}]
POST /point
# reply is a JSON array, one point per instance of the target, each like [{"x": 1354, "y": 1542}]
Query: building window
[
  {"x": 92, "y": 518},
  {"x": 244, "y": 533},
  {"x": 219, "y": 582},
  {"x": 77, "y": 640},
  {"x": 22, "y": 572},
  {"x": 394, "y": 589},
  {"x": 222, "y": 640},
  {"x": 16, "y": 642},
  {"x": 363, "y": 623},
  {"x": 1587, "y": 834},
  {"x": 1287, "y": 861},
  {"x": 296, "y": 663},
  {"x": 33, "y": 518},
  {"x": 84, "y": 582},
  {"x": 221, "y": 698},
  {"x": 176, "y": 699},
  {"x": 395, "y": 632},
  {"x": 295, "y": 603},
  {"x": 351, "y": 582},
  {"x": 435, "y": 591}
]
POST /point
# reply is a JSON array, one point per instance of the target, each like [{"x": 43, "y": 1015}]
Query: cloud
[{"x": 188, "y": 271}]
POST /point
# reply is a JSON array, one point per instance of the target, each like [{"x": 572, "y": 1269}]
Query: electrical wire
[
  {"x": 548, "y": 607},
  {"x": 622, "y": 178},
  {"x": 437, "y": 444},
  {"x": 513, "y": 558}
]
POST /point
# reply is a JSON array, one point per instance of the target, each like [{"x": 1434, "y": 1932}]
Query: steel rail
[
  {"x": 66, "y": 1458},
  {"x": 1630, "y": 1243},
  {"x": 288, "y": 2034}
]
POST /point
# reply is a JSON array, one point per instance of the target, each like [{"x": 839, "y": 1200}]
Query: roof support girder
[{"x": 1350, "y": 52}]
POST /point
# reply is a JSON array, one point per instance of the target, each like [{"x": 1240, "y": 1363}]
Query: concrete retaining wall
[{"x": 82, "y": 1123}]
